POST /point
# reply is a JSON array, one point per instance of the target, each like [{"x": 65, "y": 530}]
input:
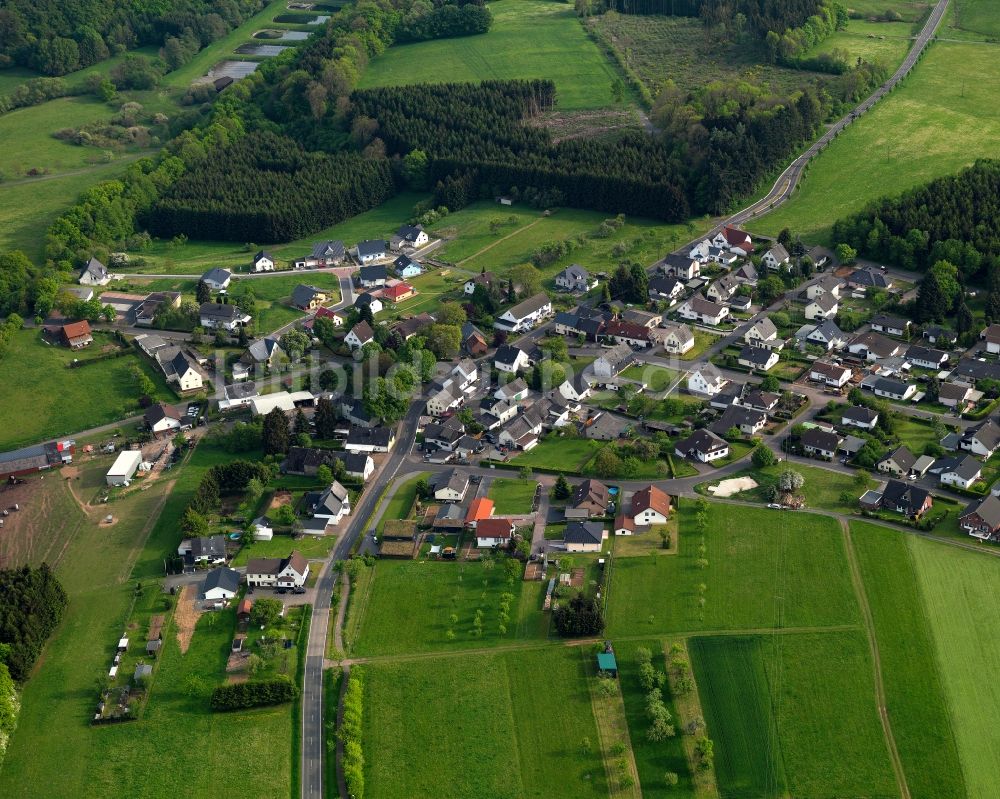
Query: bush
[{"x": 257, "y": 693}]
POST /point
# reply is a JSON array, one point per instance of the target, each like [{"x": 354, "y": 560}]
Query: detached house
[
  {"x": 676, "y": 338},
  {"x": 825, "y": 285},
  {"x": 94, "y": 274},
  {"x": 898, "y": 462},
  {"x": 76, "y": 335},
  {"x": 308, "y": 298},
  {"x": 910, "y": 500},
  {"x": 359, "y": 335},
  {"x": 406, "y": 267},
  {"x": 409, "y": 236},
  {"x": 398, "y": 292},
  {"x": 747, "y": 420},
  {"x": 332, "y": 504},
  {"x": 448, "y": 398},
  {"x": 450, "y": 486},
  {"x": 702, "y": 445},
  {"x": 763, "y": 333},
  {"x": 759, "y": 359},
  {"x": 494, "y": 533},
  {"x": 958, "y": 396},
  {"x": 511, "y": 359},
  {"x": 723, "y": 288},
  {"x": 575, "y": 278},
  {"x": 178, "y": 369},
  {"x": 650, "y": 505},
  {"x": 775, "y": 258},
  {"x": 820, "y": 443},
  {"x": 214, "y": 315},
  {"x": 827, "y": 335},
  {"x": 868, "y": 278},
  {"x": 991, "y": 335},
  {"x": 981, "y": 440},
  {"x": 961, "y": 471},
  {"x": 584, "y": 536},
  {"x": 369, "y": 301},
  {"x": 263, "y": 261},
  {"x": 324, "y": 254},
  {"x": 874, "y": 347},
  {"x": 891, "y": 388},
  {"x": 685, "y": 268},
  {"x": 734, "y": 240},
  {"x": 217, "y": 279},
  {"x": 590, "y": 499},
  {"x": 706, "y": 379},
  {"x": 706, "y": 312},
  {"x": 161, "y": 418},
  {"x": 525, "y": 315},
  {"x": 981, "y": 518},
  {"x": 926, "y": 357},
  {"x": 893, "y": 325},
  {"x": 667, "y": 289},
  {"x": 290, "y": 572},
  {"x": 614, "y": 361},
  {"x": 630, "y": 333},
  {"x": 370, "y": 277},
  {"x": 484, "y": 279},
  {"x": 854, "y": 416},
  {"x": 829, "y": 374},
  {"x": 369, "y": 251},
  {"x": 825, "y": 306}
]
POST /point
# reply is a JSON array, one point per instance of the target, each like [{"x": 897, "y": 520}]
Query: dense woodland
[
  {"x": 951, "y": 219},
  {"x": 59, "y": 36},
  {"x": 265, "y": 187},
  {"x": 31, "y": 604},
  {"x": 759, "y": 16}
]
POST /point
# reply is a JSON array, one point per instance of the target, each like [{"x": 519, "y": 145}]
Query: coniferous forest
[{"x": 31, "y": 604}]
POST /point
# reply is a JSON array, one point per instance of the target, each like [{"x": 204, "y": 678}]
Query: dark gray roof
[
  {"x": 737, "y": 416},
  {"x": 529, "y": 306},
  {"x": 988, "y": 509},
  {"x": 376, "y": 436},
  {"x": 223, "y": 577},
  {"x": 409, "y": 232},
  {"x": 704, "y": 441},
  {"x": 404, "y": 261},
  {"x": 96, "y": 269},
  {"x": 895, "y": 322},
  {"x": 869, "y": 277},
  {"x": 574, "y": 272},
  {"x": 758, "y": 356},
  {"x": 371, "y": 247},
  {"x": 366, "y": 299},
  {"x": 368, "y": 273},
  {"x": 916, "y": 352},
  {"x": 263, "y": 349},
  {"x": 859, "y": 414},
  {"x": 508, "y": 354},
  {"x": 217, "y": 275},
  {"x": 820, "y": 439},
  {"x": 891, "y": 386},
  {"x": 902, "y": 457},
  {"x": 328, "y": 249},
  {"x": 208, "y": 547},
  {"x": 216, "y": 310},
  {"x": 302, "y": 294},
  {"x": 898, "y": 494},
  {"x": 578, "y": 532}
]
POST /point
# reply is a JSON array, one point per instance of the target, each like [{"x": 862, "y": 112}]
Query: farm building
[
  {"x": 36, "y": 458},
  {"x": 124, "y": 467}
]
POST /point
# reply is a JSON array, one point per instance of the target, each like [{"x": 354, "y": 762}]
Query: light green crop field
[
  {"x": 909, "y": 10},
  {"x": 492, "y": 726},
  {"x": 921, "y": 723},
  {"x": 763, "y": 571},
  {"x": 885, "y": 42},
  {"x": 962, "y": 605},
  {"x": 512, "y": 497},
  {"x": 411, "y": 603},
  {"x": 974, "y": 19},
  {"x": 778, "y": 706},
  {"x": 63, "y": 400},
  {"x": 939, "y": 120},
  {"x": 529, "y": 39}
]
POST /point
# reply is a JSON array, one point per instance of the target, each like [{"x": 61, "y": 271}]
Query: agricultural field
[
  {"x": 65, "y": 401},
  {"x": 509, "y": 718},
  {"x": 529, "y": 39},
  {"x": 908, "y": 10},
  {"x": 937, "y": 121},
  {"x": 431, "y": 592},
  {"x": 885, "y": 42},
  {"x": 759, "y": 575},
  {"x": 512, "y": 497},
  {"x": 973, "y": 19},
  {"x": 777, "y": 705}
]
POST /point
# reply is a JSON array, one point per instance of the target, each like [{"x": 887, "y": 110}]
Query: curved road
[{"x": 789, "y": 179}]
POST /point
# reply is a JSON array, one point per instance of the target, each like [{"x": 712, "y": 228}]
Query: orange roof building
[
  {"x": 650, "y": 505},
  {"x": 481, "y": 508}
]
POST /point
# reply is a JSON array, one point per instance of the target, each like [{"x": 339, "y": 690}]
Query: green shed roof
[{"x": 606, "y": 661}]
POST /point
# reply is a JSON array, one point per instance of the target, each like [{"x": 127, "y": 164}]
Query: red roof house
[{"x": 399, "y": 292}]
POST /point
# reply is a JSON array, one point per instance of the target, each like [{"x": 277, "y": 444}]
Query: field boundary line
[
  {"x": 866, "y": 611},
  {"x": 611, "y": 711},
  {"x": 500, "y": 240},
  {"x": 688, "y": 707}
]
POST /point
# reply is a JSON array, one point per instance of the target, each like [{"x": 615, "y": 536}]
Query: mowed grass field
[
  {"x": 884, "y": 42},
  {"x": 529, "y": 39},
  {"x": 962, "y": 605},
  {"x": 410, "y": 605},
  {"x": 512, "y": 496},
  {"x": 974, "y": 19},
  {"x": 764, "y": 571},
  {"x": 793, "y": 715},
  {"x": 939, "y": 120},
  {"x": 569, "y": 454},
  {"x": 491, "y": 726},
  {"x": 921, "y": 721},
  {"x": 62, "y": 401}
]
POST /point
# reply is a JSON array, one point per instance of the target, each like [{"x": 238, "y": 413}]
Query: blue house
[{"x": 406, "y": 267}]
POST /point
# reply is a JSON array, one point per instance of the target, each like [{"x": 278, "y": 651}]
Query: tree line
[
  {"x": 266, "y": 187},
  {"x": 32, "y": 603},
  {"x": 444, "y": 22}
]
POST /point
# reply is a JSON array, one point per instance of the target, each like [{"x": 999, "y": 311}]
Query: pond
[{"x": 264, "y": 50}]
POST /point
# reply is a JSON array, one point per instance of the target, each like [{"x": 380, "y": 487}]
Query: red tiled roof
[
  {"x": 493, "y": 528},
  {"x": 653, "y": 498},
  {"x": 76, "y": 330}
]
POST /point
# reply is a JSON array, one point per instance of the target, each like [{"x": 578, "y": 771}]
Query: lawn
[
  {"x": 310, "y": 546},
  {"x": 908, "y": 10},
  {"x": 512, "y": 497},
  {"x": 529, "y": 39},
  {"x": 939, "y": 120},
  {"x": 760, "y": 574},
  {"x": 63, "y": 401},
  {"x": 411, "y": 603},
  {"x": 570, "y": 455},
  {"x": 656, "y": 378},
  {"x": 962, "y": 606},
  {"x": 921, "y": 721},
  {"x": 778, "y": 706},
  {"x": 702, "y": 341},
  {"x": 401, "y": 504},
  {"x": 822, "y": 487},
  {"x": 886, "y": 42},
  {"x": 974, "y": 19},
  {"x": 518, "y": 733}
]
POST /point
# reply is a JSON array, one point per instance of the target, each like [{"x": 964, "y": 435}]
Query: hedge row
[{"x": 258, "y": 693}]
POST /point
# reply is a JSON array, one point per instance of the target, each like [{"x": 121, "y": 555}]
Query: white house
[
  {"x": 820, "y": 442},
  {"x": 162, "y": 418},
  {"x": 825, "y": 285},
  {"x": 217, "y": 279},
  {"x": 94, "y": 274},
  {"x": 290, "y": 572},
  {"x": 448, "y": 398},
  {"x": 856, "y": 416},
  {"x": 584, "y": 536},
  {"x": 465, "y": 373},
  {"x": 484, "y": 279},
  {"x": 700, "y": 251},
  {"x": 829, "y": 374},
  {"x": 991, "y": 335},
  {"x": 760, "y": 359},
  {"x": 762, "y": 333},
  {"x": 893, "y": 325},
  {"x": 218, "y": 315},
  {"x": 221, "y": 584},
  {"x": 359, "y": 335},
  {"x": 374, "y": 439},
  {"x": 262, "y": 262},
  {"x": 370, "y": 251},
  {"x": 332, "y": 504},
  {"x": 683, "y": 268},
  {"x": 124, "y": 467},
  {"x": 510, "y": 359},
  {"x": 698, "y": 309},
  {"x": 702, "y": 445},
  {"x": 324, "y": 254},
  {"x": 614, "y": 360},
  {"x": 775, "y": 258},
  {"x": 706, "y": 379},
  {"x": 825, "y": 306},
  {"x": 982, "y": 440},
  {"x": 493, "y": 532},
  {"x": 650, "y": 505},
  {"x": 451, "y": 486},
  {"x": 575, "y": 278},
  {"x": 263, "y": 529},
  {"x": 961, "y": 472},
  {"x": 409, "y": 236},
  {"x": 677, "y": 338},
  {"x": 734, "y": 240},
  {"x": 826, "y": 334},
  {"x": 525, "y": 315},
  {"x": 723, "y": 288},
  {"x": 893, "y": 389},
  {"x": 369, "y": 301},
  {"x": 926, "y": 357}
]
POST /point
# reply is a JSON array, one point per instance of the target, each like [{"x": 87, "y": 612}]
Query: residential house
[
  {"x": 406, "y": 267},
  {"x": 775, "y": 258},
  {"x": 479, "y": 509},
  {"x": 376, "y": 439},
  {"x": 891, "y": 388},
  {"x": 926, "y": 357},
  {"x": 758, "y": 400},
  {"x": 991, "y": 335},
  {"x": 575, "y": 278},
  {"x": 820, "y": 443},
  {"x": 629, "y": 333},
  {"x": 685, "y": 268},
  {"x": 290, "y": 572},
  {"x": 359, "y": 335},
  {"x": 369, "y": 251},
  {"x": 820, "y": 256},
  {"x": 829, "y": 374},
  {"x": 735, "y": 240},
  {"x": 650, "y": 505},
  {"x": 759, "y": 359},
  {"x": 740, "y": 303},
  {"x": 874, "y": 347},
  {"x": 584, "y": 536},
  {"x": 676, "y": 338},
  {"x": 371, "y": 277},
  {"x": 354, "y": 412},
  {"x": 179, "y": 370},
  {"x": 667, "y": 289},
  {"x": 699, "y": 253},
  {"x": 449, "y": 517},
  {"x": 827, "y": 335},
  {"x": 465, "y": 373},
  {"x": 721, "y": 256},
  {"x": 647, "y": 319},
  {"x": 161, "y": 418},
  {"x": 591, "y": 497},
  {"x": 412, "y": 236},
  {"x": 698, "y": 309},
  {"x": 893, "y": 325},
  {"x": 217, "y": 279},
  {"x": 94, "y": 274},
  {"x": 969, "y": 370},
  {"x": 614, "y": 360},
  {"x": 324, "y": 254},
  {"x": 448, "y": 398},
  {"x": 825, "y": 285},
  {"x": 957, "y": 396},
  {"x": 898, "y": 462},
  {"x": 961, "y": 471},
  {"x": 398, "y": 292},
  {"x": 906, "y": 498},
  {"x": 494, "y": 533},
  {"x": 576, "y": 389},
  {"x": 484, "y": 279},
  {"x": 981, "y": 440},
  {"x": 263, "y": 261},
  {"x": 238, "y": 395},
  {"x": 495, "y": 412},
  {"x": 747, "y": 273},
  {"x": 220, "y": 584},
  {"x": 702, "y": 445},
  {"x": 981, "y": 518},
  {"x": 76, "y": 335},
  {"x": 763, "y": 333},
  {"x": 337, "y": 318},
  {"x": 825, "y": 306},
  {"x": 209, "y": 550},
  {"x": 511, "y": 359},
  {"x": 82, "y": 293},
  {"x": 450, "y": 486},
  {"x": 855, "y": 416},
  {"x": 706, "y": 379},
  {"x": 868, "y": 278},
  {"x": 473, "y": 340},
  {"x": 264, "y": 353},
  {"x": 445, "y": 434},
  {"x": 747, "y": 420},
  {"x": 525, "y": 315},
  {"x": 215, "y": 315},
  {"x": 523, "y": 431},
  {"x": 332, "y": 504},
  {"x": 308, "y": 298},
  {"x": 514, "y": 391},
  {"x": 408, "y": 328},
  {"x": 722, "y": 289},
  {"x": 940, "y": 336}
]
